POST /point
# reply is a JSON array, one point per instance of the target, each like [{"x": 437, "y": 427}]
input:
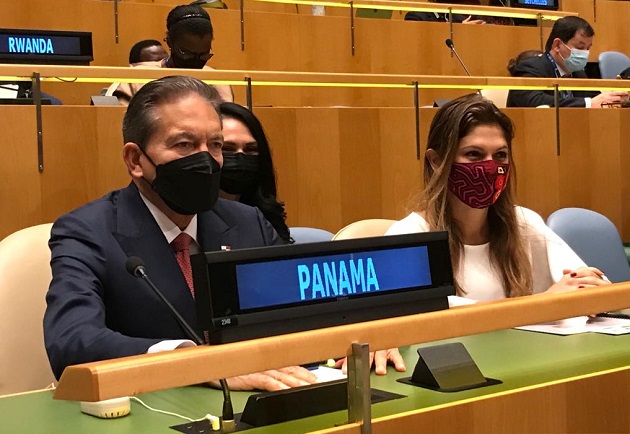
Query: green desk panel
[{"x": 518, "y": 358}]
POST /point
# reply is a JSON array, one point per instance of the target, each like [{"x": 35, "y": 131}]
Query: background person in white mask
[{"x": 566, "y": 54}]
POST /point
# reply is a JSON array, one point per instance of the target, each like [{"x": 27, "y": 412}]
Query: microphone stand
[
  {"x": 136, "y": 267},
  {"x": 449, "y": 44}
]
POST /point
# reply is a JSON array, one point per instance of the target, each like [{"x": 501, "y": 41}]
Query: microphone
[
  {"x": 135, "y": 267},
  {"x": 449, "y": 44}
]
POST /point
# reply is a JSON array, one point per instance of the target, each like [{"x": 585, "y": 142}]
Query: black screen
[
  {"x": 287, "y": 300},
  {"x": 45, "y": 47}
]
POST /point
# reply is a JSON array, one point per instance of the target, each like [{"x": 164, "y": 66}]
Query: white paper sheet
[{"x": 571, "y": 326}]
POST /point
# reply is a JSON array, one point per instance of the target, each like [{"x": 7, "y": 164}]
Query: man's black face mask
[{"x": 188, "y": 185}]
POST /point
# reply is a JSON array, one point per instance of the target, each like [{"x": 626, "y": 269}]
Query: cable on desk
[{"x": 213, "y": 419}]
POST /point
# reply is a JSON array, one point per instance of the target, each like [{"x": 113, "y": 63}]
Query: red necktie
[{"x": 181, "y": 246}]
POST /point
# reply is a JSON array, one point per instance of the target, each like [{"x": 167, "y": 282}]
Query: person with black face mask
[
  {"x": 189, "y": 36},
  {"x": 95, "y": 309},
  {"x": 248, "y": 175}
]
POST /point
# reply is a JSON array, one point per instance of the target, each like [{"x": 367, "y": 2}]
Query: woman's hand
[
  {"x": 380, "y": 359},
  {"x": 583, "y": 277},
  {"x": 470, "y": 20}
]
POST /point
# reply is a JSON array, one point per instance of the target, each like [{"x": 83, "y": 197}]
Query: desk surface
[{"x": 518, "y": 358}]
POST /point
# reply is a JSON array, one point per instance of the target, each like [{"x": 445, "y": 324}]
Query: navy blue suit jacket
[
  {"x": 430, "y": 16},
  {"x": 96, "y": 309},
  {"x": 540, "y": 66}
]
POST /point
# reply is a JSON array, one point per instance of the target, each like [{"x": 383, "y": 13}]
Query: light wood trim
[
  {"x": 589, "y": 173},
  {"x": 436, "y": 7},
  {"x": 110, "y": 73},
  {"x": 397, "y": 5},
  {"x": 149, "y": 372},
  {"x": 302, "y": 42},
  {"x": 103, "y": 74},
  {"x": 564, "y": 83}
]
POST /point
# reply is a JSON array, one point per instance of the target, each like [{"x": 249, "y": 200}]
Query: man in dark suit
[
  {"x": 96, "y": 310},
  {"x": 442, "y": 17},
  {"x": 566, "y": 56}
]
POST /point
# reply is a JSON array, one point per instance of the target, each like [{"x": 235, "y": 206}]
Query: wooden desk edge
[{"x": 149, "y": 372}]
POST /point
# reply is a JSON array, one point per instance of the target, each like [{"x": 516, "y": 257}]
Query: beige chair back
[
  {"x": 24, "y": 279},
  {"x": 364, "y": 229},
  {"x": 497, "y": 96}
]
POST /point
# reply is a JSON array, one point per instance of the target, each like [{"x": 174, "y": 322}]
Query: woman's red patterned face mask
[{"x": 478, "y": 184}]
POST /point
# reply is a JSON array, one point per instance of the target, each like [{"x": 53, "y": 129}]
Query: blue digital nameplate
[
  {"x": 45, "y": 46},
  {"x": 20, "y": 44},
  {"x": 250, "y": 293},
  {"x": 345, "y": 275},
  {"x": 537, "y": 4}
]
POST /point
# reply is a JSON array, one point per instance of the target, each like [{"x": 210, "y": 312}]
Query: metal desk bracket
[
  {"x": 416, "y": 105},
  {"x": 242, "y": 7},
  {"x": 556, "y": 104},
  {"x": 359, "y": 394},
  {"x": 352, "y": 27},
  {"x": 37, "y": 99},
  {"x": 248, "y": 93},
  {"x": 540, "y": 30},
  {"x": 116, "y": 35},
  {"x": 450, "y": 26}
]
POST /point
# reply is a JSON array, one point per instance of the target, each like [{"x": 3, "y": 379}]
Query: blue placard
[
  {"x": 331, "y": 277},
  {"x": 536, "y": 2}
]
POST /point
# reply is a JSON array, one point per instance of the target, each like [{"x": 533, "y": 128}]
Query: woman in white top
[{"x": 498, "y": 249}]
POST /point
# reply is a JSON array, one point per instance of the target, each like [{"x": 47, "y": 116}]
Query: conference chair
[
  {"x": 611, "y": 63},
  {"x": 364, "y": 229},
  {"x": 594, "y": 238},
  {"x": 24, "y": 278},
  {"x": 497, "y": 96},
  {"x": 309, "y": 235}
]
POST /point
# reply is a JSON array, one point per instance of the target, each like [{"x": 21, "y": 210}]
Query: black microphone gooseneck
[
  {"x": 135, "y": 267},
  {"x": 449, "y": 44}
]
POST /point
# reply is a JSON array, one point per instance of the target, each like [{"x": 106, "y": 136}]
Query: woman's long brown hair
[{"x": 508, "y": 255}]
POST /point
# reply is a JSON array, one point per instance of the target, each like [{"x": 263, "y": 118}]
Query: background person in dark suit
[
  {"x": 95, "y": 309},
  {"x": 566, "y": 55},
  {"x": 444, "y": 17},
  {"x": 520, "y": 57}
]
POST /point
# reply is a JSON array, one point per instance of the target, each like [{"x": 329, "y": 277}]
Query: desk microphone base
[{"x": 269, "y": 408}]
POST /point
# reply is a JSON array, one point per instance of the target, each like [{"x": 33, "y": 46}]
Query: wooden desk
[
  {"x": 280, "y": 41},
  {"x": 334, "y": 165},
  {"x": 551, "y": 384}
]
